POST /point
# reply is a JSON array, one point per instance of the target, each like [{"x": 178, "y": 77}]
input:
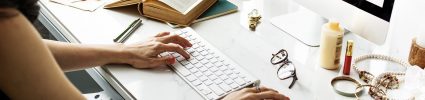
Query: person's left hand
[{"x": 146, "y": 54}]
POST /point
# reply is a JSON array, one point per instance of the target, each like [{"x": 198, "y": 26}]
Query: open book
[{"x": 182, "y": 12}]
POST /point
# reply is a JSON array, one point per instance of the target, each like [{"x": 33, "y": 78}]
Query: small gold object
[
  {"x": 254, "y": 19},
  {"x": 365, "y": 76}
]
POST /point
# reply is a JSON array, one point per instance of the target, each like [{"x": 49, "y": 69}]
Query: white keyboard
[{"x": 208, "y": 71}]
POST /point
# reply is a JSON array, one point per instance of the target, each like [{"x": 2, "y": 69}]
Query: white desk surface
[{"x": 252, "y": 50}]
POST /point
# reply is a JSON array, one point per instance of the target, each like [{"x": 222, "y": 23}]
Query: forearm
[
  {"x": 72, "y": 56},
  {"x": 28, "y": 70}
]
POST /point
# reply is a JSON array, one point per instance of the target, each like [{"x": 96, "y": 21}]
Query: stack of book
[{"x": 181, "y": 12}]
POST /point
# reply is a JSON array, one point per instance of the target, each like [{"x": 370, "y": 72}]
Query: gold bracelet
[{"x": 358, "y": 90}]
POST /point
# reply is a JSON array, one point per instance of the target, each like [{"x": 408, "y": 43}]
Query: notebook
[
  {"x": 220, "y": 8},
  {"x": 181, "y": 12}
]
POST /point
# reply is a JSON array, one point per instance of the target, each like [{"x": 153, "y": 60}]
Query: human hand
[
  {"x": 253, "y": 94},
  {"x": 146, "y": 54}
]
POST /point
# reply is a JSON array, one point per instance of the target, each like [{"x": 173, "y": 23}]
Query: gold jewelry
[
  {"x": 358, "y": 90},
  {"x": 359, "y": 87},
  {"x": 254, "y": 19}
]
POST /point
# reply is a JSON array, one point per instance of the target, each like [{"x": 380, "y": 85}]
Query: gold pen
[{"x": 128, "y": 31}]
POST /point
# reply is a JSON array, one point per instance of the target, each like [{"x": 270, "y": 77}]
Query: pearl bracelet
[{"x": 386, "y": 80}]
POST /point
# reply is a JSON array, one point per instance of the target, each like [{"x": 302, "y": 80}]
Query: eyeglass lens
[
  {"x": 286, "y": 71},
  {"x": 279, "y": 57}
]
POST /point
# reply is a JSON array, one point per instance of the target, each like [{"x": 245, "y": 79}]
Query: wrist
[{"x": 117, "y": 54}]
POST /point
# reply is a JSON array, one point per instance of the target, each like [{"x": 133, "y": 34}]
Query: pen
[{"x": 128, "y": 31}]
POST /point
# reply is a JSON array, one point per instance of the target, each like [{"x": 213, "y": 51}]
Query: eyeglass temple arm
[
  {"x": 294, "y": 78},
  {"x": 293, "y": 82}
]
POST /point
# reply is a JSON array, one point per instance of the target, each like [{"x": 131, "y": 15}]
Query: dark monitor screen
[{"x": 383, "y": 12}]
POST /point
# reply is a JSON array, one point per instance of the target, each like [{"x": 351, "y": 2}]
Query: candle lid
[{"x": 334, "y": 25}]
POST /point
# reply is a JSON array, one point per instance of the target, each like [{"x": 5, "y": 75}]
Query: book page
[{"x": 183, "y": 6}]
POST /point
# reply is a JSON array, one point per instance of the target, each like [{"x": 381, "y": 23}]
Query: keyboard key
[
  {"x": 191, "y": 50},
  {"x": 204, "y": 61},
  {"x": 208, "y": 82},
  {"x": 204, "y": 53},
  {"x": 234, "y": 85},
  {"x": 196, "y": 41},
  {"x": 209, "y": 65},
  {"x": 218, "y": 81},
  {"x": 219, "y": 73},
  {"x": 223, "y": 68},
  {"x": 194, "y": 70},
  {"x": 209, "y": 57},
  {"x": 182, "y": 70},
  {"x": 189, "y": 36},
  {"x": 196, "y": 82},
  {"x": 189, "y": 66},
  {"x": 198, "y": 65},
  {"x": 241, "y": 76},
  {"x": 212, "y": 96},
  {"x": 225, "y": 87},
  {"x": 213, "y": 77},
  {"x": 203, "y": 68},
  {"x": 223, "y": 77},
  {"x": 217, "y": 90},
  {"x": 204, "y": 89},
  {"x": 200, "y": 49},
  {"x": 194, "y": 61},
  {"x": 208, "y": 73},
  {"x": 231, "y": 67},
  {"x": 197, "y": 74},
  {"x": 164, "y": 54},
  {"x": 175, "y": 54},
  {"x": 221, "y": 60},
  {"x": 195, "y": 54},
  {"x": 180, "y": 33},
  {"x": 219, "y": 64},
  {"x": 200, "y": 58},
  {"x": 217, "y": 57},
  {"x": 247, "y": 80},
  {"x": 233, "y": 76},
  {"x": 184, "y": 62},
  {"x": 180, "y": 58},
  {"x": 203, "y": 78},
  {"x": 228, "y": 81},
  {"x": 214, "y": 61},
  {"x": 240, "y": 81},
  {"x": 228, "y": 72},
  {"x": 195, "y": 46},
  {"x": 191, "y": 78},
  {"x": 213, "y": 69}
]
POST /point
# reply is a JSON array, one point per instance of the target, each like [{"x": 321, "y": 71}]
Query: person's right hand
[
  {"x": 145, "y": 54},
  {"x": 253, "y": 94}
]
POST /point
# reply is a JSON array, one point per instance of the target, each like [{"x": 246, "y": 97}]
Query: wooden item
[{"x": 417, "y": 55}]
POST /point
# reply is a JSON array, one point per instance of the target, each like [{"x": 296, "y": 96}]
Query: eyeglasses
[{"x": 286, "y": 69}]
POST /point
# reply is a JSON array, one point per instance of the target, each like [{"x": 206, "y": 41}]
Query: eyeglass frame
[{"x": 284, "y": 62}]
